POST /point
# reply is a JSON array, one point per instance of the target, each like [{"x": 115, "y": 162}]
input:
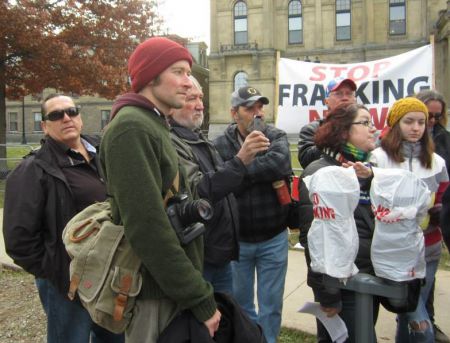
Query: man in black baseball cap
[
  {"x": 247, "y": 96},
  {"x": 247, "y": 103}
]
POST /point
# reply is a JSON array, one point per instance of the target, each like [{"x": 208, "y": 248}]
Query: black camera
[{"x": 187, "y": 216}]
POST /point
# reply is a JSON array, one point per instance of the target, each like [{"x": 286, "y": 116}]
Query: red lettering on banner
[
  {"x": 378, "y": 67},
  {"x": 379, "y": 120},
  {"x": 359, "y": 73},
  {"x": 338, "y": 71},
  {"x": 313, "y": 115},
  {"x": 320, "y": 72},
  {"x": 356, "y": 73}
]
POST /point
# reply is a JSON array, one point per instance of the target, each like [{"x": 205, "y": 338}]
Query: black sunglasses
[
  {"x": 435, "y": 115},
  {"x": 59, "y": 114}
]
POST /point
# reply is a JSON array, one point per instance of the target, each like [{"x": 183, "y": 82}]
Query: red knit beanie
[{"x": 151, "y": 58}]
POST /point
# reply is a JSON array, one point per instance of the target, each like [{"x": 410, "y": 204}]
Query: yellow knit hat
[{"x": 404, "y": 106}]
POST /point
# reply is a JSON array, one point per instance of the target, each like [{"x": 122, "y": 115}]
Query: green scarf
[{"x": 358, "y": 154}]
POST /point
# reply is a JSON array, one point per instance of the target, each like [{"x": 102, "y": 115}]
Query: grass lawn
[
  {"x": 295, "y": 336},
  {"x": 14, "y": 155}
]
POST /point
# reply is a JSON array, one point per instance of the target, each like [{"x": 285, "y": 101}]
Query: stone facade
[
  {"x": 267, "y": 33},
  {"x": 94, "y": 110}
]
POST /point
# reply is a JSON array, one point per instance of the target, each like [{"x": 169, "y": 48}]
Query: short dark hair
[
  {"x": 47, "y": 98},
  {"x": 333, "y": 133}
]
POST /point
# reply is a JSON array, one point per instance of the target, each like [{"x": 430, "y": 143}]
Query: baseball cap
[
  {"x": 334, "y": 84},
  {"x": 247, "y": 96}
]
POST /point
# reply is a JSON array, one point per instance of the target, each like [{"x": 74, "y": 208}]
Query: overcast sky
[{"x": 187, "y": 18}]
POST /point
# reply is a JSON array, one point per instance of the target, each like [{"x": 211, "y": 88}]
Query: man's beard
[{"x": 198, "y": 121}]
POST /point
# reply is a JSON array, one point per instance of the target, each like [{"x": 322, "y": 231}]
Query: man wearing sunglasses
[{"x": 42, "y": 194}]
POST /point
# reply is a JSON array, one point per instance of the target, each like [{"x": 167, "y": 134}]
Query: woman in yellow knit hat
[
  {"x": 408, "y": 145},
  {"x": 437, "y": 123}
]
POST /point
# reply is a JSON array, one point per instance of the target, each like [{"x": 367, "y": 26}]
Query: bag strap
[
  {"x": 121, "y": 300},
  {"x": 173, "y": 189}
]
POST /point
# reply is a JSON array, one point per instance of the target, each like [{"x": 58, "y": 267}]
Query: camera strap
[{"x": 173, "y": 189}]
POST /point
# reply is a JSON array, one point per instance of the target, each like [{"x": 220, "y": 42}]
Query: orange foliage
[{"x": 72, "y": 46}]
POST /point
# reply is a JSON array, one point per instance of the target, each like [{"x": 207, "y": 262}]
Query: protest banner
[{"x": 301, "y": 85}]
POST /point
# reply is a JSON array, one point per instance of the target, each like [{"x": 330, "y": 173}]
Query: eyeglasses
[
  {"x": 435, "y": 115},
  {"x": 59, "y": 114},
  {"x": 340, "y": 94},
  {"x": 366, "y": 123}
]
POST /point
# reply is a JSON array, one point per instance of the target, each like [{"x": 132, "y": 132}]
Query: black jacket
[
  {"x": 261, "y": 215},
  {"x": 214, "y": 180},
  {"x": 441, "y": 139},
  {"x": 364, "y": 224},
  {"x": 445, "y": 217},
  {"x": 235, "y": 326},
  {"x": 307, "y": 150},
  {"x": 38, "y": 205}
]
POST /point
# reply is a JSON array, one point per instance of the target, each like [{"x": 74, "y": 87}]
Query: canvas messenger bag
[{"x": 104, "y": 270}]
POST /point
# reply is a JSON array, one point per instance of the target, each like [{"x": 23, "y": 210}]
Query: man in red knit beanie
[
  {"x": 151, "y": 58},
  {"x": 141, "y": 168}
]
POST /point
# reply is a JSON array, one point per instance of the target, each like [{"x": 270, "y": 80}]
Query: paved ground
[{"x": 297, "y": 293}]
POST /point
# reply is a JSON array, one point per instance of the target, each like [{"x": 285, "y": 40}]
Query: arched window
[
  {"x": 397, "y": 17},
  {"x": 343, "y": 20},
  {"x": 240, "y": 23},
  {"x": 295, "y": 22},
  {"x": 240, "y": 80}
]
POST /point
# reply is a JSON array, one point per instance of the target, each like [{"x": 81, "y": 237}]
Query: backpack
[{"x": 104, "y": 270}]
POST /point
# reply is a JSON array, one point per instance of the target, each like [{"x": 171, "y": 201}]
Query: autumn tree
[{"x": 72, "y": 46}]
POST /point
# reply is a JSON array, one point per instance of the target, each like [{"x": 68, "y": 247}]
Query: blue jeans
[
  {"x": 68, "y": 321},
  {"x": 405, "y": 334},
  {"x": 269, "y": 259},
  {"x": 221, "y": 278}
]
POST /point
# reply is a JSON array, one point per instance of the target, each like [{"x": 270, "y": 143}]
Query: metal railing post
[{"x": 365, "y": 287}]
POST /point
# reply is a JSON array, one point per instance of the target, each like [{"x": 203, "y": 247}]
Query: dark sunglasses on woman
[{"x": 59, "y": 114}]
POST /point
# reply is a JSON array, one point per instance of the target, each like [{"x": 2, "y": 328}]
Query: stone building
[
  {"x": 23, "y": 117},
  {"x": 246, "y": 35}
]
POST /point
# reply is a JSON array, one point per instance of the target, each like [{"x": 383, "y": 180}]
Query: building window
[
  {"x": 240, "y": 80},
  {"x": 295, "y": 22},
  {"x": 397, "y": 17},
  {"x": 13, "y": 124},
  {"x": 343, "y": 20},
  {"x": 37, "y": 121},
  {"x": 104, "y": 118},
  {"x": 240, "y": 23}
]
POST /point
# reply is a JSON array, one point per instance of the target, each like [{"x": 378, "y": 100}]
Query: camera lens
[
  {"x": 204, "y": 209},
  {"x": 195, "y": 211}
]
